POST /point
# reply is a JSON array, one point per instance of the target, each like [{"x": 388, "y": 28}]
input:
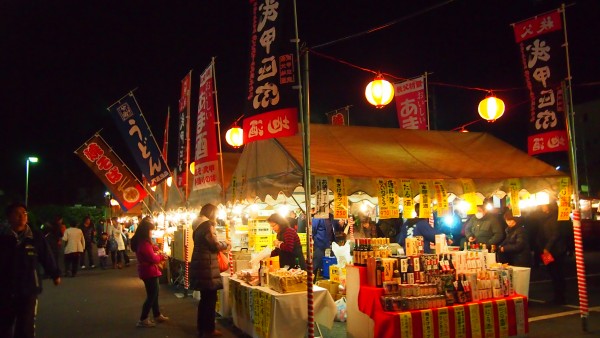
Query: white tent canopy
[{"x": 361, "y": 154}]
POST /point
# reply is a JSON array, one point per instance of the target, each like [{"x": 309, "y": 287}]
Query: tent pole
[{"x": 303, "y": 101}]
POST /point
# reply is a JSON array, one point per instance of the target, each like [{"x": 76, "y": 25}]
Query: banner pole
[
  {"x": 570, "y": 122},
  {"x": 187, "y": 142},
  {"x": 218, "y": 123}
]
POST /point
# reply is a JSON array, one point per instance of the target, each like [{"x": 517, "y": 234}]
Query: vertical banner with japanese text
[
  {"x": 564, "y": 199},
  {"x": 109, "y": 168},
  {"x": 425, "y": 199},
  {"x": 206, "y": 158},
  {"x": 321, "y": 197},
  {"x": 411, "y": 104},
  {"x": 182, "y": 125},
  {"x": 514, "y": 187},
  {"x": 441, "y": 198},
  {"x": 271, "y": 100},
  {"x": 388, "y": 198},
  {"x": 340, "y": 198},
  {"x": 139, "y": 139},
  {"x": 543, "y": 55},
  {"x": 408, "y": 206}
]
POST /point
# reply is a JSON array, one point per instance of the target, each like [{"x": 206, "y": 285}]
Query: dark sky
[{"x": 64, "y": 62}]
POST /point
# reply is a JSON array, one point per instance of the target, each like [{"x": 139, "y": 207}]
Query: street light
[{"x": 32, "y": 160}]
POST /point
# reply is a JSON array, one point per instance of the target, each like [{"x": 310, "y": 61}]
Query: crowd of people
[{"x": 520, "y": 241}]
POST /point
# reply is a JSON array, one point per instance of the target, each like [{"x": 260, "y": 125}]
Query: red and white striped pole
[
  {"x": 229, "y": 253},
  {"x": 581, "y": 283},
  {"x": 186, "y": 280}
]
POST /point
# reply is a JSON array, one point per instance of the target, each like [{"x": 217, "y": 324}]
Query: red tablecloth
[{"x": 502, "y": 317}]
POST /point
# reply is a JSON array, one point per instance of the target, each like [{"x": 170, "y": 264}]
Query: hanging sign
[
  {"x": 469, "y": 195},
  {"x": 408, "y": 206},
  {"x": 183, "y": 120},
  {"x": 564, "y": 199},
  {"x": 441, "y": 198},
  {"x": 514, "y": 187},
  {"x": 321, "y": 197},
  {"x": 425, "y": 207},
  {"x": 340, "y": 198},
  {"x": 206, "y": 157},
  {"x": 411, "y": 104},
  {"x": 388, "y": 199}
]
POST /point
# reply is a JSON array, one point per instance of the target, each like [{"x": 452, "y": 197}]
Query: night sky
[{"x": 64, "y": 62}]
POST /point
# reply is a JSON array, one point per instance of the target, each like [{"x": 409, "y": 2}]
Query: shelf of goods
[{"x": 428, "y": 295}]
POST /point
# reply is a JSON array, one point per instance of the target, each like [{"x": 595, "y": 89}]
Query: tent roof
[{"x": 363, "y": 153}]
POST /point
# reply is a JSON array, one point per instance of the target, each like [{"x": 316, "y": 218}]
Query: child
[{"x": 102, "y": 248}]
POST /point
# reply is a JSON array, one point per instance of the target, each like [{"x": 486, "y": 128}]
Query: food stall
[{"x": 271, "y": 168}]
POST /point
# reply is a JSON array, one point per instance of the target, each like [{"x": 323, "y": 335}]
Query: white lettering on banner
[
  {"x": 537, "y": 50},
  {"x": 269, "y": 93},
  {"x": 538, "y": 144},
  {"x": 547, "y": 24},
  {"x": 541, "y": 75},
  {"x": 268, "y": 12},
  {"x": 546, "y": 119},
  {"x": 556, "y": 142},
  {"x": 267, "y": 37},
  {"x": 256, "y": 128},
  {"x": 154, "y": 167},
  {"x": 546, "y": 98},
  {"x": 277, "y": 125},
  {"x": 202, "y": 144},
  {"x": 269, "y": 68}
]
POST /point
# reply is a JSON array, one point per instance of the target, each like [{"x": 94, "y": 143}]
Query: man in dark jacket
[
  {"x": 21, "y": 250},
  {"x": 484, "y": 228},
  {"x": 89, "y": 234},
  {"x": 514, "y": 250},
  {"x": 550, "y": 241}
]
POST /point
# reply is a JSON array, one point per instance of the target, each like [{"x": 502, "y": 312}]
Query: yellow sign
[
  {"x": 425, "y": 208},
  {"x": 475, "y": 320},
  {"x": 340, "y": 198},
  {"x": 469, "y": 195},
  {"x": 406, "y": 330},
  {"x": 407, "y": 199},
  {"x": 564, "y": 199},
  {"x": 388, "y": 199},
  {"x": 514, "y": 186},
  {"x": 441, "y": 198}
]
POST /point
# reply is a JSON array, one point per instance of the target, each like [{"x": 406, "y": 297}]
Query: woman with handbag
[
  {"x": 115, "y": 235},
  {"x": 205, "y": 274},
  {"x": 148, "y": 258}
]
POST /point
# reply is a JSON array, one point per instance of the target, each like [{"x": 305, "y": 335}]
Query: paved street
[{"x": 107, "y": 303}]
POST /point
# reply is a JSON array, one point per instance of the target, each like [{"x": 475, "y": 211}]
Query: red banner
[
  {"x": 206, "y": 135},
  {"x": 278, "y": 123},
  {"x": 182, "y": 149},
  {"x": 272, "y": 72},
  {"x": 543, "y": 56},
  {"x": 112, "y": 172},
  {"x": 411, "y": 104}
]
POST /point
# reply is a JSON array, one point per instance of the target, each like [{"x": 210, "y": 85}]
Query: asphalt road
[{"x": 107, "y": 303}]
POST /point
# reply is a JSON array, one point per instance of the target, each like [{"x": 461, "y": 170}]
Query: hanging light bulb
[
  {"x": 235, "y": 136},
  {"x": 379, "y": 92},
  {"x": 491, "y": 108}
]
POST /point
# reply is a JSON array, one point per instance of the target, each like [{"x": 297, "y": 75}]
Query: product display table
[
  {"x": 262, "y": 312},
  {"x": 502, "y": 317}
]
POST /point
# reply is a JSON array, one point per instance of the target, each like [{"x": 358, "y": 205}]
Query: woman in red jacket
[{"x": 148, "y": 257}]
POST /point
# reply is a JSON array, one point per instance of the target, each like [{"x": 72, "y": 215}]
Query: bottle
[
  {"x": 450, "y": 264},
  {"x": 379, "y": 273},
  {"x": 468, "y": 291},
  {"x": 460, "y": 290},
  {"x": 297, "y": 265},
  {"x": 410, "y": 272},
  {"x": 260, "y": 274}
]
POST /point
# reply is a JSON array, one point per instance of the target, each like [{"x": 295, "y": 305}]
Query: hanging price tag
[
  {"x": 406, "y": 330},
  {"x": 443, "y": 323}
]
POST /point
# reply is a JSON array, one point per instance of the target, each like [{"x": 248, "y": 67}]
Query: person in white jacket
[
  {"x": 115, "y": 230},
  {"x": 75, "y": 244}
]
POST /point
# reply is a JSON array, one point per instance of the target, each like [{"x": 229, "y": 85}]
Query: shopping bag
[
  {"x": 101, "y": 252},
  {"x": 223, "y": 261},
  {"x": 112, "y": 244},
  {"x": 341, "y": 315},
  {"x": 547, "y": 258}
]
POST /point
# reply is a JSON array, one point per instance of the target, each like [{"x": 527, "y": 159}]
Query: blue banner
[{"x": 142, "y": 144}]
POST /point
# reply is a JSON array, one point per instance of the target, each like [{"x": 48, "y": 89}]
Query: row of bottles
[
  {"x": 370, "y": 247},
  {"x": 263, "y": 271}
]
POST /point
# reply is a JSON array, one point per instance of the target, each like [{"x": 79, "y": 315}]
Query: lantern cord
[{"x": 386, "y": 25}]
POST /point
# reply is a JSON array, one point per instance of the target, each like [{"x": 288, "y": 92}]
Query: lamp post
[{"x": 32, "y": 160}]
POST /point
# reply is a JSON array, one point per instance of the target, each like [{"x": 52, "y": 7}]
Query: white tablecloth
[{"x": 289, "y": 312}]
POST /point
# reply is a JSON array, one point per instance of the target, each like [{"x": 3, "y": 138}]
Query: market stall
[{"x": 260, "y": 311}]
